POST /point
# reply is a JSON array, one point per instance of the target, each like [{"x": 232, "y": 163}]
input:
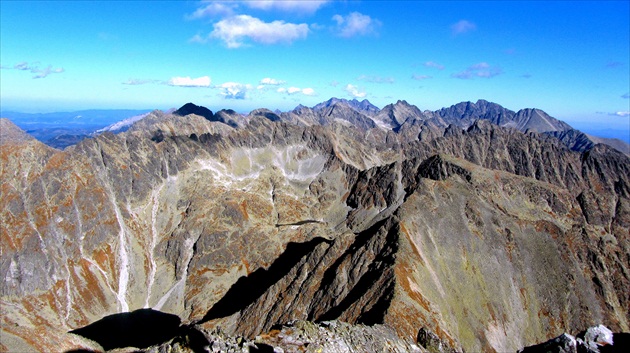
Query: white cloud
[
  {"x": 271, "y": 81},
  {"x": 235, "y": 30},
  {"x": 203, "y": 81},
  {"x": 224, "y": 9},
  {"x": 622, "y": 114},
  {"x": 301, "y": 6},
  {"x": 308, "y": 92},
  {"x": 293, "y": 90},
  {"x": 355, "y": 91},
  {"x": 482, "y": 69},
  {"x": 355, "y": 24},
  {"x": 462, "y": 27},
  {"x": 434, "y": 65},
  {"x": 234, "y": 90},
  {"x": 375, "y": 79},
  {"x": 420, "y": 77}
]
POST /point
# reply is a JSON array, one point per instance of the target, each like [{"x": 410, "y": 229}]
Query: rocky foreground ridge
[{"x": 475, "y": 228}]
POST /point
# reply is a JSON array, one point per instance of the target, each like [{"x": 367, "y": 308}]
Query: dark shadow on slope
[
  {"x": 247, "y": 289},
  {"x": 379, "y": 271},
  {"x": 141, "y": 329},
  {"x": 360, "y": 241},
  {"x": 298, "y": 223}
]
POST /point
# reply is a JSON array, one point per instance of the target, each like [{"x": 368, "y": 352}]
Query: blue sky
[{"x": 571, "y": 59}]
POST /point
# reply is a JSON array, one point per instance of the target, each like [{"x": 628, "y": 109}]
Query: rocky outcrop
[
  {"x": 595, "y": 339},
  {"x": 295, "y": 337},
  {"x": 450, "y": 239}
]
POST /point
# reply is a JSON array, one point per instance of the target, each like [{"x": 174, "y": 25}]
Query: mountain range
[
  {"x": 341, "y": 227},
  {"x": 61, "y": 130}
]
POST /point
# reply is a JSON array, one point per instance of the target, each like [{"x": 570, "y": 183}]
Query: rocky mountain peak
[
  {"x": 265, "y": 113},
  {"x": 536, "y": 120},
  {"x": 363, "y": 106},
  {"x": 191, "y": 108}
]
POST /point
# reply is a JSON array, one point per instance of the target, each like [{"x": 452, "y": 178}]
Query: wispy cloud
[
  {"x": 203, "y": 81},
  {"x": 526, "y": 76},
  {"x": 622, "y": 114},
  {"x": 434, "y": 65},
  {"x": 420, "y": 77},
  {"x": 34, "y": 69},
  {"x": 482, "y": 69},
  {"x": 235, "y": 31},
  {"x": 463, "y": 26},
  {"x": 355, "y": 91},
  {"x": 213, "y": 9},
  {"x": 626, "y": 96},
  {"x": 614, "y": 64},
  {"x": 41, "y": 73},
  {"x": 375, "y": 79},
  {"x": 234, "y": 90},
  {"x": 463, "y": 75},
  {"x": 22, "y": 66},
  {"x": 355, "y": 24},
  {"x": 139, "y": 81}
]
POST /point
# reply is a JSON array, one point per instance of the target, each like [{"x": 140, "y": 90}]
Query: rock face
[
  {"x": 474, "y": 237},
  {"x": 11, "y": 134}
]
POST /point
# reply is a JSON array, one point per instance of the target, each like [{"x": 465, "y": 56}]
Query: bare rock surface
[{"x": 441, "y": 236}]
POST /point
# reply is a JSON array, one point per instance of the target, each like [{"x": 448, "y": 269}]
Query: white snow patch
[
  {"x": 123, "y": 257},
  {"x": 153, "y": 267},
  {"x": 248, "y": 163},
  {"x": 121, "y": 124}
]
